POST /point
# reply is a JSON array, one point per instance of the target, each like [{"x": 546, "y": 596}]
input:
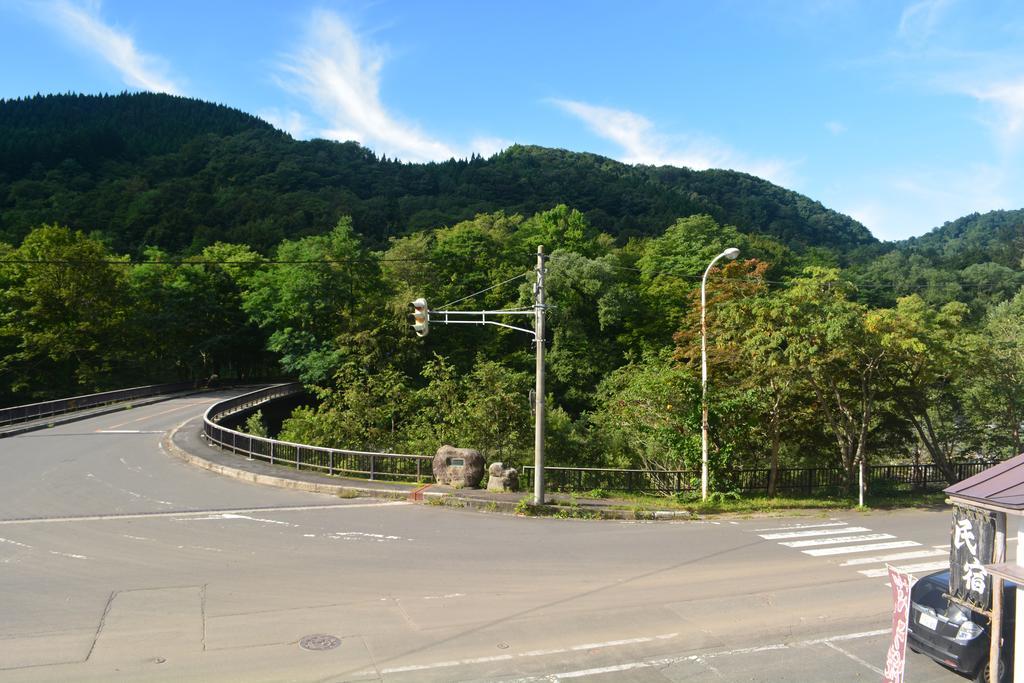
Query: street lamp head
[{"x": 731, "y": 253}]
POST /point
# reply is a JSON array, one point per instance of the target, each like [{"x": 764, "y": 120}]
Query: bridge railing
[
  {"x": 331, "y": 461},
  {"x": 35, "y": 411},
  {"x": 796, "y": 480}
]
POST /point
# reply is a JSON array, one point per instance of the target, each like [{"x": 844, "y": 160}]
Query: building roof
[{"x": 1001, "y": 485}]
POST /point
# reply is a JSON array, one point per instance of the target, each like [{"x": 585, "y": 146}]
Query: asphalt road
[{"x": 120, "y": 562}]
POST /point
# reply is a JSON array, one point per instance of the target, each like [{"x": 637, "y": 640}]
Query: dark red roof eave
[{"x": 1001, "y": 485}]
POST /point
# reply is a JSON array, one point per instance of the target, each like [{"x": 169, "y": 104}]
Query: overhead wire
[
  {"x": 482, "y": 291},
  {"x": 894, "y": 287}
]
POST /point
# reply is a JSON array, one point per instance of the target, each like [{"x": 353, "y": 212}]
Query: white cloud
[
  {"x": 339, "y": 76},
  {"x": 489, "y": 146},
  {"x": 642, "y": 143},
  {"x": 902, "y": 205},
  {"x": 290, "y": 121},
  {"x": 84, "y": 26},
  {"x": 835, "y": 127},
  {"x": 1007, "y": 98},
  {"x": 919, "y": 20}
]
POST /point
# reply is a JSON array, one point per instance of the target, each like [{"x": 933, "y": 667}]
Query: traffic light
[{"x": 420, "y": 317}]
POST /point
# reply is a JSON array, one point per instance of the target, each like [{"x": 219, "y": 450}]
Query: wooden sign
[{"x": 971, "y": 544}]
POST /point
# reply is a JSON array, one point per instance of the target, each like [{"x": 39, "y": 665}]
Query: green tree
[
  {"x": 996, "y": 389},
  {"x": 322, "y": 303},
  {"x": 829, "y": 344},
  {"x": 927, "y": 366},
  {"x": 648, "y": 416},
  {"x": 64, "y": 308}
]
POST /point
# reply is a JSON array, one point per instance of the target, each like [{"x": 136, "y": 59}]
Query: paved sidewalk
[{"x": 188, "y": 443}]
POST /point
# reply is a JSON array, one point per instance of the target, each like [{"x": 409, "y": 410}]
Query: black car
[{"x": 954, "y": 636}]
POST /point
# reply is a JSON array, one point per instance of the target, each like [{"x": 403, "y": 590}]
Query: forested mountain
[
  {"x": 181, "y": 174},
  {"x": 976, "y": 259},
  {"x": 135, "y": 232}
]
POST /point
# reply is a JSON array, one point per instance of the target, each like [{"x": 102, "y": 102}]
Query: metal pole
[
  {"x": 704, "y": 385},
  {"x": 730, "y": 253},
  {"x": 538, "y": 339}
]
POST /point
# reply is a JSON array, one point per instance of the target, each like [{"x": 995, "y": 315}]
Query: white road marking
[
  {"x": 52, "y": 552},
  {"x": 197, "y": 513},
  {"x": 834, "y": 540},
  {"x": 790, "y": 527},
  {"x": 702, "y": 658},
  {"x": 532, "y": 653},
  {"x": 129, "y": 431},
  {"x": 909, "y": 568},
  {"x": 444, "y": 597},
  {"x": 876, "y": 559},
  {"x": 856, "y": 659},
  {"x": 233, "y": 515},
  {"x": 861, "y": 548},
  {"x": 71, "y": 555},
  {"x": 814, "y": 532}
]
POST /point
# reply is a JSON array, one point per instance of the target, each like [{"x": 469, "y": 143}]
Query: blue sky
[{"x": 904, "y": 115}]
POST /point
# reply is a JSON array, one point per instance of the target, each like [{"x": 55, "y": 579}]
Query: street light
[{"x": 731, "y": 253}]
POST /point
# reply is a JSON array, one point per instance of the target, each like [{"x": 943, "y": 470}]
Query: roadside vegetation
[{"x": 825, "y": 347}]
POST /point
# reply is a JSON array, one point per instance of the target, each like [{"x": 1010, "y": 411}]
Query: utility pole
[
  {"x": 423, "y": 316},
  {"x": 538, "y": 339}
]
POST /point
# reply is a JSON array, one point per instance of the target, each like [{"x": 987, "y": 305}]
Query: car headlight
[{"x": 968, "y": 631}]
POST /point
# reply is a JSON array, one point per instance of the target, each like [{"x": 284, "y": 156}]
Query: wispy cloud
[
  {"x": 901, "y": 204},
  {"x": 83, "y": 26},
  {"x": 642, "y": 143},
  {"x": 1007, "y": 97},
  {"x": 920, "y": 19},
  {"x": 338, "y": 74},
  {"x": 835, "y": 127},
  {"x": 290, "y": 121}
]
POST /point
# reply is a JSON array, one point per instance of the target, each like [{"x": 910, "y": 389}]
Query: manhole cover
[{"x": 319, "y": 641}]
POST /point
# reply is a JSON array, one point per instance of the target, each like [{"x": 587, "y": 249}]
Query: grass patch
[{"x": 732, "y": 503}]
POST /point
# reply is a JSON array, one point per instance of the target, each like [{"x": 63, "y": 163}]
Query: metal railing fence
[
  {"x": 801, "y": 480},
  {"x": 331, "y": 461},
  {"x": 34, "y": 411}
]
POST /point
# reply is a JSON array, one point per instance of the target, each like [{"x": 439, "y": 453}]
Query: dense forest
[
  {"x": 156, "y": 170},
  {"x": 147, "y": 238}
]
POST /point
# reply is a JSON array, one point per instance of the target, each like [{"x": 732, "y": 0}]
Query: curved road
[{"x": 120, "y": 562}]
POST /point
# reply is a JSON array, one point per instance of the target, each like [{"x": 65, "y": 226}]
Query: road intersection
[{"x": 120, "y": 561}]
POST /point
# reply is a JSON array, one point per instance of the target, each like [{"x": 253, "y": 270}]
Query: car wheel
[{"x": 982, "y": 676}]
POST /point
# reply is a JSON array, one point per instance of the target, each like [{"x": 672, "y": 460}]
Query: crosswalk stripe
[
  {"x": 834, "y": 540},
  {"x": 860, "y": 548},
  {"x": 814, "y": 532},
  {"x": 802, "y": 526},
  {"x": 892, "y": 558},
  {"x": 910, "y": 569}
]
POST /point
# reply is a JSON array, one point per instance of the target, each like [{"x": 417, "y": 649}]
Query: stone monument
[
  {"x": 458, "y": 467},
  {"x": 501, "y": 478}
]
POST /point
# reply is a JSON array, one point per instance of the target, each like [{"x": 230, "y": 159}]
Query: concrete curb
[
  {"x": 340, "y": 490},
  {"x": 425, "y": 497}
]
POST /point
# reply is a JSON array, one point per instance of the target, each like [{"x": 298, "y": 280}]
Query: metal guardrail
[
  {"x": 332, "y": 461},
  {"x": 35, "y": 411},
  {"x": 805, "y": 480}
]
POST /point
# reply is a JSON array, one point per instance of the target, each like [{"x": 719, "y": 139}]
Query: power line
[
  {"x": 511, "y": 279},
  {"x": 208, "y": 262},
  {"x": 979, "y": 286}
]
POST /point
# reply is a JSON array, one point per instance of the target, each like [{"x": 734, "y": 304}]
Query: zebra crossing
[{"x": 849, "y": 545}]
